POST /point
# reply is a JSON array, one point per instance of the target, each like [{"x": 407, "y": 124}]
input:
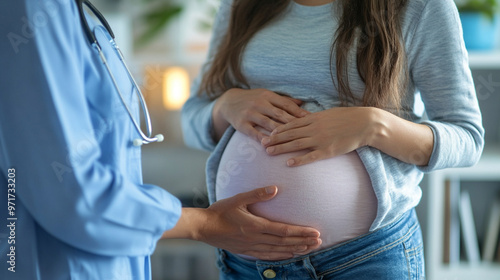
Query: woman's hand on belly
[
  {"x": 231, "y": 226},
  {"x": 324, "y": 134},
  {"x": 337, "y": 131},
  {"x": 248, "y": 110}
]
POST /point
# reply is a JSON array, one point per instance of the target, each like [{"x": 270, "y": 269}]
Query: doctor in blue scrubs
[{"x": 72, "y": 201}]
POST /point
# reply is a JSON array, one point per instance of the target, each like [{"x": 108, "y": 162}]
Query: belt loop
[
  {"x": 221, "y": 261},
  {"x": 310, "y": 267}
]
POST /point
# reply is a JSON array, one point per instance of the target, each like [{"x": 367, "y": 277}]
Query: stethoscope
[{"x": 145, "y": 139}]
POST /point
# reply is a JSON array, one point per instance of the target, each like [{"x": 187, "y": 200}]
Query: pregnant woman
[{"x": 319, "y": 98}]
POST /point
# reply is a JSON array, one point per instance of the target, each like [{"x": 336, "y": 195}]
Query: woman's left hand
[{"x": 325, "y": 134}]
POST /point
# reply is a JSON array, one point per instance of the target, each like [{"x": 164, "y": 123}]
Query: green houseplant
[
  {"x": 480, "y": 23},
  {"x": 158, "y": 14},
  {"x": 156, "y": 17},
  {"x": 487, "y": 8}
]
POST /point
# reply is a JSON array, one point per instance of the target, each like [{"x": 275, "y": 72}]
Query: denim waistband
[{"x": 343, "y": 255}]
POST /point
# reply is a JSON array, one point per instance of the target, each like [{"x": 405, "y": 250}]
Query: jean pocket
[{"x": 414, "y": 253}]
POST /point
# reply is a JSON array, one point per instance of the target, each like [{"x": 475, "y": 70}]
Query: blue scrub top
[{"x": 81, "y": 210}]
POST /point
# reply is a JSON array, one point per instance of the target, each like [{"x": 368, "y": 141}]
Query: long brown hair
[{"x": 373, "y": 26}]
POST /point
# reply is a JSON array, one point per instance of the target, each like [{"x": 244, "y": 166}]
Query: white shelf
[
  {"x": 487, "y": 169},
  {"x": 483, "y": 271},
  {"x": 484, "y": 59}
]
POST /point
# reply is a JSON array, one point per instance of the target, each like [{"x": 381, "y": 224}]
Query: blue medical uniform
[{"x": 81, "y": 209}]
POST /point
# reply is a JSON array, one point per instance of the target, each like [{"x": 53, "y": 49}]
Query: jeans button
[{"x": 269, "y": 273}]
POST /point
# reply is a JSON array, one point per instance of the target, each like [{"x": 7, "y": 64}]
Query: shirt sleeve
[
  {"x": 438, "y": 63},
  {"x": 197, "y": 124},
  {"x": 48, "y": 137}
]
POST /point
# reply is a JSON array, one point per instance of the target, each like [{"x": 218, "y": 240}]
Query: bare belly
[{"x": 334, "y": 195}]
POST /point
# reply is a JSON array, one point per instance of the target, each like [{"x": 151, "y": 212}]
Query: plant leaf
[
  {"x": 486, "y": 7},
  {"x": 156, "y": 20}
]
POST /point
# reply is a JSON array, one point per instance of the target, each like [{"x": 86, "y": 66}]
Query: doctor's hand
[
  {"x": 247, "y": 110},
  {"x": 228, "y": 224}
]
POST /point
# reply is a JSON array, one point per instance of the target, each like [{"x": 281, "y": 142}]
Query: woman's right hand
[{"x": 248, "y": 109}]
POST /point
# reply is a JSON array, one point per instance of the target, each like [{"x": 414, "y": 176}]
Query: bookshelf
[{"x": 488, "y": 169}]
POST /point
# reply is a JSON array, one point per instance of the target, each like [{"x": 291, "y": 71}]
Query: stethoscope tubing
[{"x": 145, "y": 139}]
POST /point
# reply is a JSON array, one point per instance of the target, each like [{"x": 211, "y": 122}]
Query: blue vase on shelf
[{"x": 480, "y": 32}]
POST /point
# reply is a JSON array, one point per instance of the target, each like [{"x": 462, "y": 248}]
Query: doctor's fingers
[
  {"x": 283, "y": 234},
  {"x": 286, "y": 244}
]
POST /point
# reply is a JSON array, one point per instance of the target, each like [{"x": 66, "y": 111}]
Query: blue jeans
[{"x": 393, "y": 252}]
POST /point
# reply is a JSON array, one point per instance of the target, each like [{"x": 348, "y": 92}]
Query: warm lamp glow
[{"x": 175, "y": 88}]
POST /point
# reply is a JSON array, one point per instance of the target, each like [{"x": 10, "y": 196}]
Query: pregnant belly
[{"x": 334, "y": 195}]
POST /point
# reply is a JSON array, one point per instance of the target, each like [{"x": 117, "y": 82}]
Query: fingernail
[
  {"x": 313, "y": 234},
  {"x": 270, "y": 190},
  {"x": 301, "y": 248},
  {"x": 290, "y": 162},
  {"x": 303, "y": 114},
  {"x": 270, "y": 150},
  {"x": 313, "y": 242},
  {"x": 265, "y": 141}
]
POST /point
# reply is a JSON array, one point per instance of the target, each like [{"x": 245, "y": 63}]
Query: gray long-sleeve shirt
[{"x": 291, "y": 55}]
